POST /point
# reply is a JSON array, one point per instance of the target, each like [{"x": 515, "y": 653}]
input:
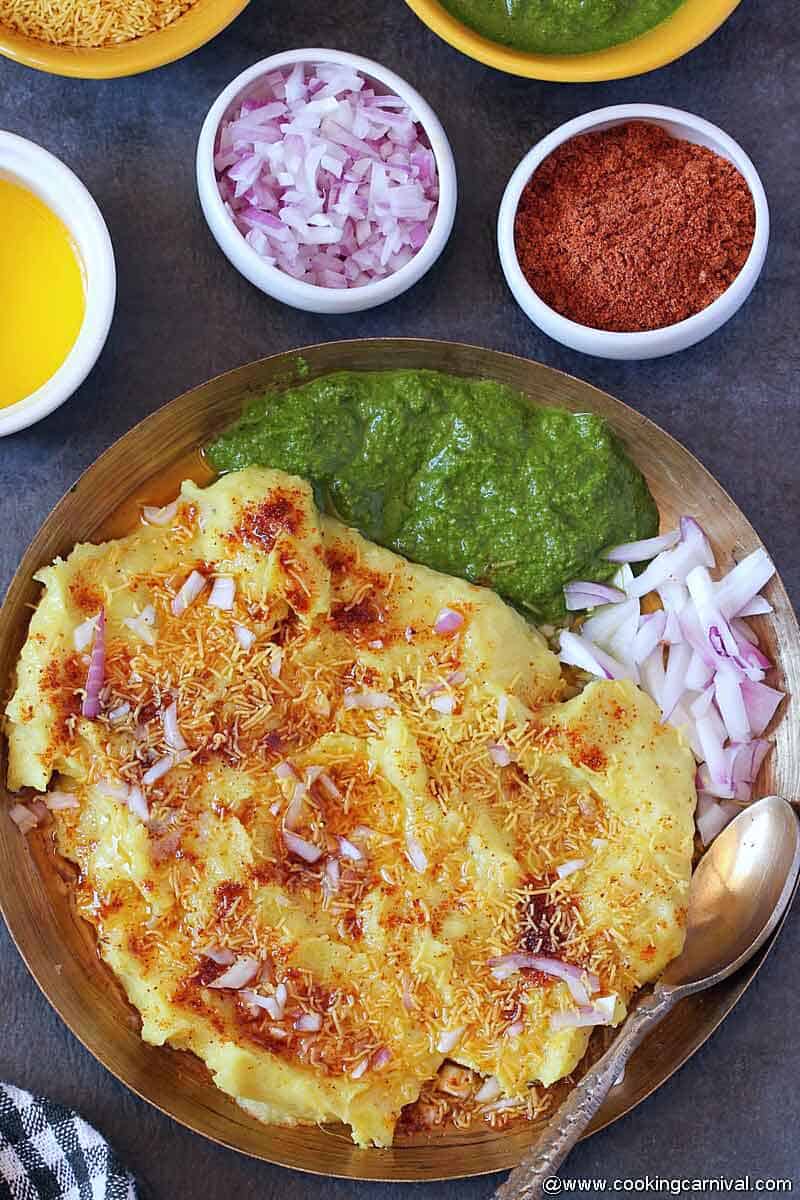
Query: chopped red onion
[
  {"x": 638, "y": 552},
  {"x": 416, "y": 854},
  {"x": 579, "y": 651},
  {"x": 742, "y": 584},
  {"x": 761, "y": 702},
  {"x": 652, "y": 675},
  {"x": 299, "y": 846},
  {"x": 82, "y": 634},
  {"x": 712, "y": 733},
  {"x": 96, "y": 673},
  {"x": 238, "y": 975},
  {"x": 600, "y": 1012},
  {"x": 369, "y": 700},
  {"x": 137, "y": 804},
  {"x": 448, "y": 621},
  {"x": 750, "y": 659},
  {"x": 158, "y": 770},
  {"x": 569, "y": 868},
  {"x": 285, "y": 770},
  {"x": 702, "y": 704},
  {"x": 348, "y": 850},
  {"x": 330, "y": 787},
  {"x": 713, "y": 624},
  {"x": 268, "y": 1003},
  {"x": 359, "y": 1069},
  {"x": 514, "y": 1029},
  {"x": 114, "y": 789},
  {"x": 326, "y": 180},
  {"x": 381, "y": 1058},
  {"x": 678, "y": 658},
  {"x": 119, "y": 713},
  {"x": 730, "y": 702},
  {"x": 449, "y": 1039},
  {"x": 159, "y": 516},
  {"x": 223, "y": 592},
  {"x": 332, "y": 876},
  {"x": 608, "y": 621},
  {"x": 309, "y": 1023},
  {"x": 756, "y": 607},
  {"x": 142, "y": 624},
  {"x": 502, "y": 709},
  {"x": 579, "y": 596},
  {"x": 698, "y": 674},
  {"x": 220, "y": 955},
  {"x": 190, "y": 590},
  {"x": 673, "y": 595},
  {"x": 244, "y": 636},
  {"x": 488, "y": 1091},
  {"x": 294, "y": 810},
  {"x": 748, "y": 760},
  {"x": 648, "y": 636},
  {"x": 714, "y": 819},
  {"x": 500, "y": 755},
  {"x": 574, "y": 977},
  {"x": 443, "y": 704},
  {"x": 691, "y": 551},
  {"x": 172, "y": 734},
  {"x": 276, "y": 663},
  {"x": 723, "y": 790},
  {"x": 58, "y": 801}
]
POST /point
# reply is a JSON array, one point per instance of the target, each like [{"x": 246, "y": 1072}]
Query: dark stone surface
[{"x": 184, "y": 314}]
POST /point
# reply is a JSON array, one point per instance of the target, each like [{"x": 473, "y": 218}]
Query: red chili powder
[{"x": 632, "y": 229}]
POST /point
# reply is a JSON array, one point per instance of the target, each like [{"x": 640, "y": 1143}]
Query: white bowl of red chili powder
[{"x": 633, "y": 231}]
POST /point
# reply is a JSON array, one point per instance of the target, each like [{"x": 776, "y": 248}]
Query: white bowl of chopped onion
[{"x": 326, "y": 180}]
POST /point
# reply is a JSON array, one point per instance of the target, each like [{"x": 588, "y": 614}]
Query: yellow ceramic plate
[
  {"x": 60, "y": 950},
  {"x": 690, "y": 25},
  {"x": 198, "y": 25}
]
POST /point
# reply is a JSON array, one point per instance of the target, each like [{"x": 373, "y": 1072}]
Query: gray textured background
[{"x": 183, "y": 315}]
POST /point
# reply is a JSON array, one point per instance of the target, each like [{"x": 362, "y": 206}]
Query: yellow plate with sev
[{"x": 153, "y": 35}]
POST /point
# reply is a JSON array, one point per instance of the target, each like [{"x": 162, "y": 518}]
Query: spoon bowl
[{"x": 739, "y": 892}]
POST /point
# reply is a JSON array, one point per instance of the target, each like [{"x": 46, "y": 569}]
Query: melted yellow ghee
[{"x": 42, "y": 299}]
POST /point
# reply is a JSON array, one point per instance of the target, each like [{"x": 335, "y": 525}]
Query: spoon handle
[{"x": 566, "y": 1125}]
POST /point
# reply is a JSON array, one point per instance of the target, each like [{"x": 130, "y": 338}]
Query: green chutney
[
  {"x": 463, "y": 475},
  {"x": 561, "y": 26}
]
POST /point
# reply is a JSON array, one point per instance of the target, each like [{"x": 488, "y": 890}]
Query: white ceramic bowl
[
  {"x": 277, "y": 283},
  {"x": 652, "y": 343},
  {"x": 47, "y": 177}
]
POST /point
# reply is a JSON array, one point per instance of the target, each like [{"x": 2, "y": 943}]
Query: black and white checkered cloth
[{"x": 48, "y": 1152}]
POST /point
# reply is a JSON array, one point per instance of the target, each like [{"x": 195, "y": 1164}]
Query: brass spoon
[{"x": 739, "y": 892}]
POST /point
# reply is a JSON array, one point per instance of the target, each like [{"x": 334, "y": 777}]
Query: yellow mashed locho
[{"x": 312, "y": 830}]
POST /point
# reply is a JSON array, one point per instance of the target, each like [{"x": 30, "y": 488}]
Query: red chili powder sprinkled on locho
[{"x": 632, "y": 229}]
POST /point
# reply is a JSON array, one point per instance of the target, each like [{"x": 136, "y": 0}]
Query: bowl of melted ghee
[{"x": 57, "y": 282}]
